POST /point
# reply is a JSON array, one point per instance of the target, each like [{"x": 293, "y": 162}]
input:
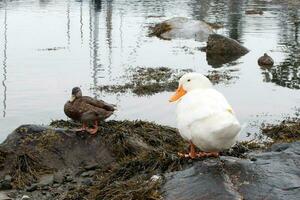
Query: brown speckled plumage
[{"x": 87, "y": 109}]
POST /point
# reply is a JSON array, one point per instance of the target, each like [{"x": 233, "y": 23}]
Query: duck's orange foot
[
  {"x": 208, "y": 154},
  {"x": 187, "y": 155}
]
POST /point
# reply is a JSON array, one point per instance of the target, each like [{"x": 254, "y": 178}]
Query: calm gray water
[{"x": 48, "y": 46}]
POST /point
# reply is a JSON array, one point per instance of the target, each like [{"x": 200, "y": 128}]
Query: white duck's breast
[{"x": 206, "y": 118}]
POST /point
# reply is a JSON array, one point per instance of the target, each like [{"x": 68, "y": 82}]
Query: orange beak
[{"x": 179, "y": 93}]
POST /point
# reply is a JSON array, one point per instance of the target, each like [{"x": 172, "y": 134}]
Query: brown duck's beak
[{"x": 178, "y": 94}]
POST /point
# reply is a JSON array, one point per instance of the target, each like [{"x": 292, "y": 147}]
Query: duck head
[
  {"x": 189, "y": 82},
  {"x": 76, "y": 93}
]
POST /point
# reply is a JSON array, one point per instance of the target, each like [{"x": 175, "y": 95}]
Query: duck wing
[
  {"x": 198, "y": 105},
  {"x": 98, "y": 103}
]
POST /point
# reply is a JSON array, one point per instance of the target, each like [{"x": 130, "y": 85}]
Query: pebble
[{"x": 32, "y": 188}]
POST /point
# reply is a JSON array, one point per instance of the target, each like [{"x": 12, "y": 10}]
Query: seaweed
[
  {"x": 286, "y": 131},
  {"x": 149, "y": 81}
]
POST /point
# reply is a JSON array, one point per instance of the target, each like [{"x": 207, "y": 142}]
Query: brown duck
[
  {"x": 265, "y": 60},
  {"x": 86, "y": 110}
]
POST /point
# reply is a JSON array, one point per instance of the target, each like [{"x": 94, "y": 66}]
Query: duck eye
[{"x": 189, "y": 80}]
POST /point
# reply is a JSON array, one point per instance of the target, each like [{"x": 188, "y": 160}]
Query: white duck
[{"x": 204, "y": 116}]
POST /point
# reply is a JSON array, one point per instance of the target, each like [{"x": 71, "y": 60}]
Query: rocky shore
[{"x": 138, "y": 160}]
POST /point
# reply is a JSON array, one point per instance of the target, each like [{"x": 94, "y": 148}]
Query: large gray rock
[
  {"x": 221, "y": 50},
  {"x": 184, "y": 28},
  {"x": 275, "y": 174}
]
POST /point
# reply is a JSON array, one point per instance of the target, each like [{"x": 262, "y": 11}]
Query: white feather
[{"x": 205, "y": 117}]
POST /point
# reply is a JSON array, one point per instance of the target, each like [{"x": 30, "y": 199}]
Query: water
[{"x": 47, "y": 47}]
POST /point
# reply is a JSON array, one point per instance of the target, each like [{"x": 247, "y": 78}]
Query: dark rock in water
[
  {"x": 265, "y": 60},
  {"x": 224, "y": 46},
  {"x": 273, "y": 175},
  {"x": 254, "y": 12},
  {"x": 184, "y": 28}
]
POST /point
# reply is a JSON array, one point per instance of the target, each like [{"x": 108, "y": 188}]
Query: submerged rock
[
  {"x": 181, "y": 27},
  {"x": 235, "y": 178},
  {"x": 221, "y": 45},
  {"x": 254, "y": 12}
]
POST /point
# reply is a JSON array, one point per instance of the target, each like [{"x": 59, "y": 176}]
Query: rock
[
  {"x": 47, "y": 149},
  {"x": 5, "y": 185},
  {"x": 87, "y": 182},
  {"x": 265, "y": 60},
  {"x": 221, "y": 50},
  {"x": 8, "y": 178},
  {"x": 46, "y": 180},
  {"x": 32, "y": 188},
  {"x": 58, "y": 177},
  {"x": 221, "y": 45},
  {"x": 183, "y": 28},
  {"x": 69, "y": 178},
  {"x": 274, "y": 175},
  {"x": 25, "y": 197},
  {"x": 92, "y": 166},
  {"x": 88, "y": 174},
  {"x": 155, "y": 178},
  {"x": 3, "y": 196},
  {"x": 254, "y": 12}
]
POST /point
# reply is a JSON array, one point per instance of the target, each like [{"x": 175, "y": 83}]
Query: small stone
[
  {"x": 4, "y": 196},
  {"x": 25, "y": 197},
  {"x": 87, "y": 182},
  {"x": 5, "y": 185},
  {"x": 46, "y": 180},
  {"x": 88, "y": 174},
  {"x": 58, "y": 177},
  {"x": 71, "y": 187},
  {"x": 91, "y": 167},
  {"x": 8, "y": 178},
  {"x": 56, "y": 185},
  {"x": 69, "y": 178},
  {"x": 253, "y": 159},
  {"x": 32, "y": 188},
  {"x": 155, "y": 178}
]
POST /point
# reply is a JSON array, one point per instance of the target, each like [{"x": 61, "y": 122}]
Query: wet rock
[
  {"x": 5, "y": 184},
  {"x": 32, "y": 188},
  {"x": 4, "y": 196},
  {"x": 265, "y": 60},
  {"x": 39, "y": 150},
  {"x": 46, "y": 180},
  {"x": 87, "y": 182},
  {"x": 92, "y": 166},
  {"x": 88, "y": 174},
  {"x": 58, "y": 177},
  {"x": 224, "y": 46},
  {"x": 237, "y": 178},
  {"x": 181, "y": 27},
  {"x": 25, "y": 197},
  {"x": 8, "y": 178},
  {"x": 69, "y": 178},
  {"x": 254, "y": 12}
]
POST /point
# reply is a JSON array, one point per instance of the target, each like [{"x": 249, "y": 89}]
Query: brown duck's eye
[{"x": 189, "y": 80}]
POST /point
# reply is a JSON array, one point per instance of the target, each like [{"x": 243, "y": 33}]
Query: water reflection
[
  {"x": 5, "y": 61},
  {"x": 68, "y": 23},
  {"x": 287, "y": 72}
]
